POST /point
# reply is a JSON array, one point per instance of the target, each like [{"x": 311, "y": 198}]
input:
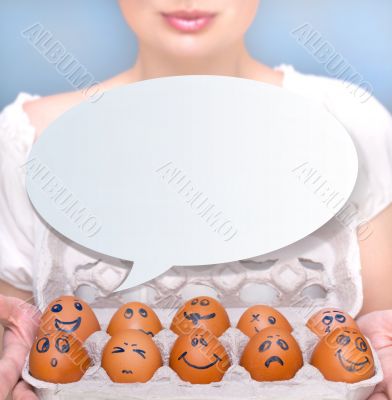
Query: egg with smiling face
[
  {"x": 58, "y": 358},
  {"x": 344, "y": 355},
  {"x": 69, "y": 315},
  {"x": 201, "y": 312},
  {"x": 199, "y": 357},
  {"x": 272, "y": 355},
  {"x": 131, "y": 356},
  {"x": 259, "y": 317},
  {"x": 135, "y": 315}
]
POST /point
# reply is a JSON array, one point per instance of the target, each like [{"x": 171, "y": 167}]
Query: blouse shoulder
[
  {"x": 16, "y": 131},
  {"x": 369, "y": 124}
]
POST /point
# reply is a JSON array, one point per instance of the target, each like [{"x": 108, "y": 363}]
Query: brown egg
[
  {"x": 199, "y": 357},
  {"x": 131, "y": 356},
  {"x": 272, "y": 355},
  {"x": 328, "y": 319},
  {"x": 201, "y": 312},
  {"x": 259, "y": 317},
  {"x": 135, "y": 316},
  {"x": 344, "y": 355},
  {"x": 69, "y": 314},
  {"x": 58, "y": 357}
]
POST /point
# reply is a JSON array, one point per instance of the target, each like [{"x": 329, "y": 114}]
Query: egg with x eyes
[
  {"x": 199, "y": 357},
  {"x": 131, "y": 356},
  {"x": 201, "y": 312},
  {"x": 135, "y": 315},
  {"x": 58, "y": 358},
  {"x": 70, "y": 315},
  {"x": 344, "y": 355},
  {"x": 272, "y": 355},
  {"x": 259, "y": 317},
  {"x": 326, "y": 320}
]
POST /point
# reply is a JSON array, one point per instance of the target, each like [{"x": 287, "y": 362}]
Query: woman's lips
[{"x": 188, "y": 21}]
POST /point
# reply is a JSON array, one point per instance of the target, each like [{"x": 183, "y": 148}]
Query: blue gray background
[{"x": 95, "y": 33}]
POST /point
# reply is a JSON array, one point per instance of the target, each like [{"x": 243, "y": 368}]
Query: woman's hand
[
  {"x": 20, "y": 320},
  {"x": 377, "y": 326}
]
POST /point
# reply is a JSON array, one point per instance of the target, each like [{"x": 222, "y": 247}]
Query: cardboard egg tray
[{"x": 236, "y": 383}]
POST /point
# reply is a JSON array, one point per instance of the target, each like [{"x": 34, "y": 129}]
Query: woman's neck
[{"x": 235, "y": 62}]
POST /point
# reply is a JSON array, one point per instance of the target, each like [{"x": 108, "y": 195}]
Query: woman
[{"x": 180, "y": 37}]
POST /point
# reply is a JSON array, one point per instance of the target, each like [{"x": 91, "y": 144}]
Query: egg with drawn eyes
[
  {"x": 131, "y": 356},
  {"x": 326, "y": 320},
  {"x": 57, "y": 357},
  {"x": 344, "y": 355},
  {"x": 135, "y": 315},
  {"x": 201, "y": 312},
  {"x": 272, "y": 355},
  {"x": 69, "y": 315},
  {"x": 199, "y": 357},
  {"x": 259, "y": 317}
]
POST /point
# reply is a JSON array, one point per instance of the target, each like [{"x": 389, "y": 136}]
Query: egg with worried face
[
  {"x": 57, "y": 357},
  {"x": 272, "y": 355},
  {"x": 259, "y": 317},
  {"x": 344, "y": 355},
  {"x": 201, "y": 312},
  {"x": 69, "y": 315},
  {"x": 135, "y": 315},
  {"x": 326, "y": 320},
  {"x": 131, "y": 356},
  {"x": 199, "y": 357}
]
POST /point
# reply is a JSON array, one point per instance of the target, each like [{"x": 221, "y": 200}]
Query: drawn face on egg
[
  {"x": 259, "y": 317},
  {"x": 199, "y": 358},
  {"x": 326, "y": 320},
  {"x": 58, "y": 358},
  {"x": 272, "y": 355},
  {"x": 69, "y": 315},
  {"x": 201, "y": 312},
  {"x": 131, "y": 356},
  {"x": 344, "y": 355},
  {"x": 135, "y": 315}
]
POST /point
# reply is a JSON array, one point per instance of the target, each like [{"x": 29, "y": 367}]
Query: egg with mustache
[
  {"x": 69, "y": 315},
  {"x": 135, "y": 315},
  {"x": 201, "y": 312},
  {"x": 272, "y": 355}
]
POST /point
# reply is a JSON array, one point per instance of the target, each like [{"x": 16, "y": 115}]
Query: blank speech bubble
[{"x": 192, "y": 170}]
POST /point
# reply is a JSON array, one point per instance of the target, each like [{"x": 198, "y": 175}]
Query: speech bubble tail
[{"x": 141, "y": 273}]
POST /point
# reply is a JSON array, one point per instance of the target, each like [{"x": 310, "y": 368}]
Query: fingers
[
  {"x": 20, "y": 317},
  {"x": 23, "y": 391}
]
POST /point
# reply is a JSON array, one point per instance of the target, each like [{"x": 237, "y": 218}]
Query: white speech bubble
[{"x": 191, "y": 171}]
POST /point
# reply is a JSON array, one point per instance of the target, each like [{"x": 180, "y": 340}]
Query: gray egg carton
[
  {"x": 236, "y": 383},
  {"x": 322, "y": 270}
]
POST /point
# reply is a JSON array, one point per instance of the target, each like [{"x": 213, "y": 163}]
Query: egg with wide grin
[{"x": 70, "y": 315}]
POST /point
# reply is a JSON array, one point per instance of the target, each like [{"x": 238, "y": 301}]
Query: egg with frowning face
[
  {"x": 259, "y": 317},
  {"x": 131, "y": 356},
  {"x": 135, "y": 315},
  {"x": 57, "y": 357},
  {"x": 326, "y": 320},
  {"x": 199, "y": 357},
  {"x": 344, "y": 355},
  {"x": 272, "y": 355},
  {"x": 201, "y": 312},
  {"x": 69, "y": 315}
]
